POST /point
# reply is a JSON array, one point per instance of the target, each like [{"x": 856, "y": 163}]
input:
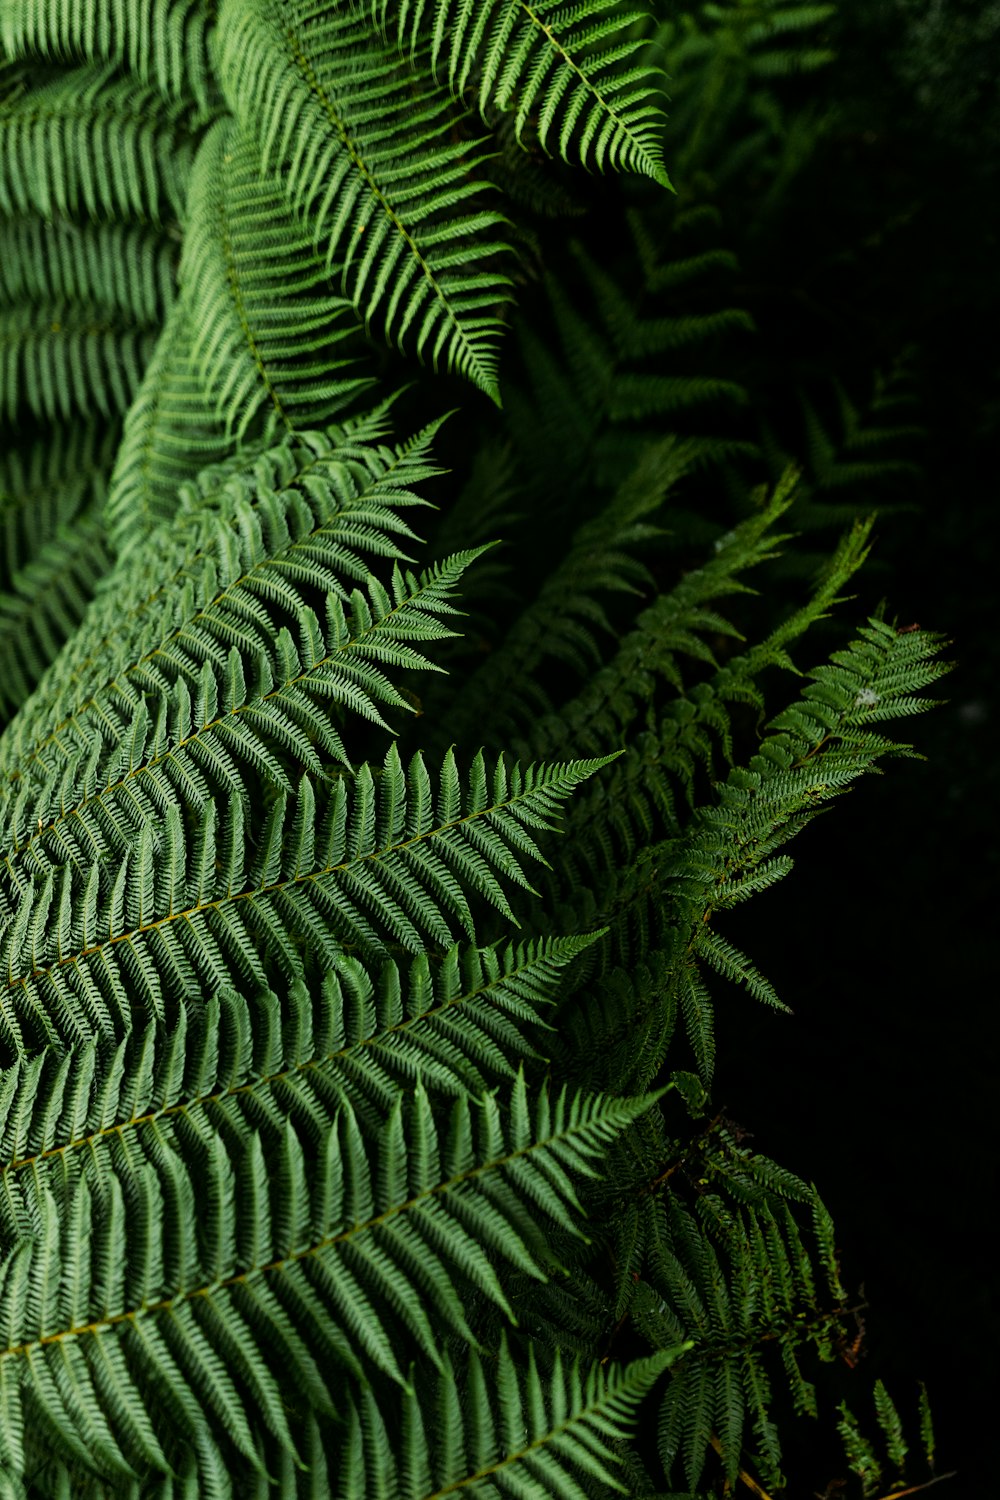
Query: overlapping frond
[
  {"x": 125, "y": 269},
  {"x": 363, "y": 861},
  {"x": 690, "y": 732},
  {"x": 89, "y": 142},
  {"x": 542, "y": 1435},
  {"x": 162, "y": 42},
  {"x": 569, "y": 75},
  {"x": 244, "y": 559},
  {"x": 240, "y": 1067},
  {"x": 52, "y": 550},
  {"x": 171, "y": 432},
  {"x": 619, "y": 367},
  {"x": 269, "y": 331},
  {"x": 290, "y": 1136},
  {"x": 44, "y": 602},
  {"x": 571, "y": 1419},
  {"x": 62, "y": 359},
  {"x": 315, "y": 1275},
  {"x": 381, "y": 168},
  {"x": 567, "y": 617}
]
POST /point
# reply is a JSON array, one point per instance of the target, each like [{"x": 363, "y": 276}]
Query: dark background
[{"x": 881, "y": 1087}]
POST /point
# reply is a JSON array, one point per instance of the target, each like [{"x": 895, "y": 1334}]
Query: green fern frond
[
  {"x": 52, "y": 550},
  {"x": 365, "y": 861},
  {"x": 245, "y": 555},
  {"x": 392, "y": 204},
  {"x": 613, "y": 361},
  {"x": 735, "y": 1284},
  {"x": 892, "y": 1427},
  {"x": 319, "y": 1279},
  {"x": 559, "y": 71},
  {"x": 46, "y": 600},
  {"x": 194, "y": 731},
  {"x": 882, "y": 1464},
  {"x": 127, "y": 269},
  {"x": 91, "y": 143},
  {"x": 171, "y": 432},
  {"x": 678, "y": 623},
  {"x": 242, "y": 1067},
  {"x": 518, "y": 1431},
  {"x": 635, "y": 803},
  {"x": 814, "y": 750},
  {"x": 268, "y": 329},
  {"x": 926, "y": 1427},
  {"x": 165, "y": 44},
  {"x": 64, "y": 358},
  {"x": 860, "y": 1452},
  {"x": 566, "y": 619}
]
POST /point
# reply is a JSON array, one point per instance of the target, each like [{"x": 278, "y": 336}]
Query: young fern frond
[
  {"x": 377, "y": 163},
  {"x": 567, "y": 76}
]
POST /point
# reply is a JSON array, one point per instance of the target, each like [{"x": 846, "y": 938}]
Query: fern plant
[{"x": 356, "y": 1015}]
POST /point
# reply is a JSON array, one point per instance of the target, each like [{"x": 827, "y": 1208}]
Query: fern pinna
[{"x": 356, "y": 1025}]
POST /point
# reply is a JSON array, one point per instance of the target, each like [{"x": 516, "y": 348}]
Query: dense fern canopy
[{"x": 363, "y": 883}]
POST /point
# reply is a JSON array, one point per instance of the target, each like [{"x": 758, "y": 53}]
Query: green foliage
[
  {"x": 886, "y": 1460},
  {"x": 557, "y": 69},
  {"x": 318, "y": 93},
  {"x": 338, "y": 1159}
]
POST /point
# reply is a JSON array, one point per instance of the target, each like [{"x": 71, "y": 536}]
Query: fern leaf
[
  {"x": 52, "y": 551},
  {"x": 247, "y": 1067},
  {"x": 389, "y": 204},
  {"x": 127, "y": 270},
  {"x": 62, "y": 359},
  {"x": 564, "y": 74},
  {"x": 516, "y": 1430},
  {"x": 46, "y": 601},
  {"x": 892, "y": 1427},
  {"x": 311, "y": 1288},
  {"x": 268, "y": 328},
  {"x": 163, "y": 44},
  {"x": 221, "y": 729},
  {"x": 389, "y": 865},
  {"x": 122, "y": 151},
  {"x": 733, "y": 1284},
  {"x": 240, "y": 567},
  {"x": 170, "y": 433}
]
